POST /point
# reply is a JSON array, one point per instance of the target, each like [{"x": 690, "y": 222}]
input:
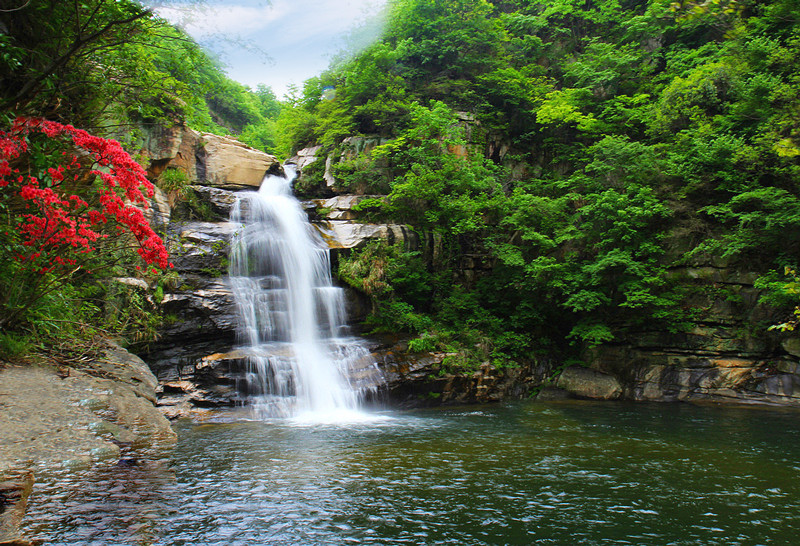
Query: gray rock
[
  {"x": 587, "y": 383},
  {"x": 305, "y": 157},
  {"x": 201, "y": 247},
  {"x": 221, "y": 201},
  {"x": 345, "y": 234}
]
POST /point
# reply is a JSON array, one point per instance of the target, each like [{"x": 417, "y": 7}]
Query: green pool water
[{"x": 536, "y": 473}]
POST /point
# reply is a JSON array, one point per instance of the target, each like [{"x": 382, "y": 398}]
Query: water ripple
[{"x": 558, "y": 473}]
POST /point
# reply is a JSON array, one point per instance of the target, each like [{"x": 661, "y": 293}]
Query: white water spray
[{"x": 293, "y": 326}]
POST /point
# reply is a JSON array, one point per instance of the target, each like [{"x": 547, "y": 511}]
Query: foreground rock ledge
[{"x": 67, "y": 418}]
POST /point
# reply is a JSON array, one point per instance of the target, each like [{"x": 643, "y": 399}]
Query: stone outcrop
[
  {"x": 199, "y": 308},
  {"x": 348, "y": 149},
  {"x": 726, "y": 355},
  {"x": 77, "y": 415},
  {"x": 424, "y": 379},
  {"x": 15, "y": 488},
  {"x": 342, "y": 226},
  {"x": 206, "y": 158},
  {"x": 587, "y": 383},
  {"x": 305, "y": 157},
  {"x": 225, "y": 162},
  {"x": 345, "y": 235}
]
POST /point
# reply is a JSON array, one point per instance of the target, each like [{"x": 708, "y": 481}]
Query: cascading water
[{"x": 292, "y": 319}]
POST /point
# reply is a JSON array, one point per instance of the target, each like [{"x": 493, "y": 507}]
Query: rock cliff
[
  {"x": 726, "y": 354},
  {"x": 195, "y": 358}
]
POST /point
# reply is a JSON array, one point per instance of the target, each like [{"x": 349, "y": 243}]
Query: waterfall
[{"x": 293, "y": 329}]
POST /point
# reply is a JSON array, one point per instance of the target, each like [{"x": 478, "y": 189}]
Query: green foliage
[
  {"x": 112, "y": 64},
  {"x": 13, "y": 345},
  {"x": 763, "y": 223},
  {"x": 174, "y": 181},
  {"x": 557, "y": 159},
  {"x": 423, "y": 344},
  {"x": 782, "y": 292}
]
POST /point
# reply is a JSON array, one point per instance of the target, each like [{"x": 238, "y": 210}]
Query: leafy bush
[{"x": 69, "y": 213}]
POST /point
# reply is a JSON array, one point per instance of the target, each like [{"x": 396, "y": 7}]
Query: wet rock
[
  {"x": 586, "y": 383},
  {"x": 15, "y": 488},
  {"x": 74, "y": 420},
  {"x": 210, "y": 381}
]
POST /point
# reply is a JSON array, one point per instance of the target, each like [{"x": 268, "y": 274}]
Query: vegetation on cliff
[
  {"x": 578, "y": 151},
  {"x": 115, "y": 71}
]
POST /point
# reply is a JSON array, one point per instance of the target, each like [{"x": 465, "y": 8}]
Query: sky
[{"x": 275, "y": 42}]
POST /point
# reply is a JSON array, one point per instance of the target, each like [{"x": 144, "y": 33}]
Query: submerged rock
[
  {"x": 91, "y": 415},
  {"x": 15, "y": 488}
]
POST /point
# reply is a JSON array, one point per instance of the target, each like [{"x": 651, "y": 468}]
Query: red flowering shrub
[{"x": 57, "y": 215}]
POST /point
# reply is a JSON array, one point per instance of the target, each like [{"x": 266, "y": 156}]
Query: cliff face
[{"x": 725, "y": 353}]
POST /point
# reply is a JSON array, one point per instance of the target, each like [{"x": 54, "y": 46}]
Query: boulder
[
  {"x": 79, "y": 412},
  {"x": 162, "y": 142},
  {"x": 206, "y": 158},
  {"x": 346, "y": 235},
  {"x": 792, "y": 346},
  {"x": 228, "y": 163},
  {"x": 586, "y": 383}
]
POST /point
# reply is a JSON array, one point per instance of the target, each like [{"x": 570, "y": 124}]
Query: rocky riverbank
[{"x": 101, "y": 412}]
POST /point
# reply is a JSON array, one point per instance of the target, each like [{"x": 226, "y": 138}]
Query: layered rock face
[
  {"x": 422, "y": 379},
  {"x": 726, "y": 355},
  {"x": 195, "y": 358}
]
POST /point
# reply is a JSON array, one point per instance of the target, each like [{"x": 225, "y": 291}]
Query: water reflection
[{"x": 555, "y": 473}]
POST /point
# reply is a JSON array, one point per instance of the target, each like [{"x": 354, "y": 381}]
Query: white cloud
[
  {"x": 300, "y": 36},
  {"x": 222, "y": 19}
]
